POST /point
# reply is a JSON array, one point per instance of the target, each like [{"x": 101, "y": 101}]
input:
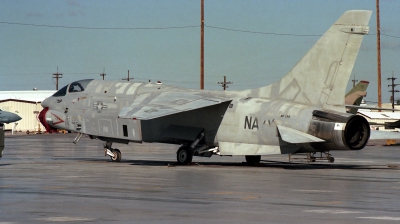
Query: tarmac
[{"x": 45, "y": 178}]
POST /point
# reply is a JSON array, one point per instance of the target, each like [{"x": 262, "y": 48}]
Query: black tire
[
  {"x": 117, "y": 155},
  {"x": 253, "y": 159},
  {"x": 331, "y": 159},
  {"x": 184, "y": 155}
]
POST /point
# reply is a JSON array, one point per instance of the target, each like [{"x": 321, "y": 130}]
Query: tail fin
[
  {"x": 355, "y": 95},
  {"x": 321, "y": 76}
]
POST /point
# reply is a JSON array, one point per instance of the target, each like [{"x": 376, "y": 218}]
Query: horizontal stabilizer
[
  {"x": 294, "y": 136},
  {"x": 376, "y": 135}
]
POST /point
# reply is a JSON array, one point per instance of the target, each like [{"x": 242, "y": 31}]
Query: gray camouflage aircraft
[{"x": 304, "y": 112}]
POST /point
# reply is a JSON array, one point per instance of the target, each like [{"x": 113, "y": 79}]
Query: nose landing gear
[{"x": 114, "y": 154}]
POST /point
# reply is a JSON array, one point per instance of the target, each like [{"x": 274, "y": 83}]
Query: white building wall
[{"x": 28, "y": 111}]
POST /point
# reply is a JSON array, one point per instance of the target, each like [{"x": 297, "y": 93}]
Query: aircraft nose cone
[
  {"x": 44, "y": 103},
  {"x": 15, "y": 117},
  {"x": 8, "y": 117}
]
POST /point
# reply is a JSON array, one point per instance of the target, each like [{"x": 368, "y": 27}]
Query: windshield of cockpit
[{"x": 78, "y": 86}]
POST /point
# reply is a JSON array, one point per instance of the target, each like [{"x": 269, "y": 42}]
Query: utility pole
[
  {"x": 103, "y": 74},
  {"x": 393, "y": 90},
  {"x": 378, "y": 43},
  {"x": 354, "y": 80},
  {"x": 202, "y": 45},
  {"x": 224, "y": 83},
  {"x": 127, "y": 78},
  {"x": 57, "y": 76}
]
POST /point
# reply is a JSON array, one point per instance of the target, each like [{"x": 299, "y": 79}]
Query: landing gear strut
[
  {"x": 330, "y": 158},
  {"x": 114, "y": 154},
  {"x": 184, "y": 155}
]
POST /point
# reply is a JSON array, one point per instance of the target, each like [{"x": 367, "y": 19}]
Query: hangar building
[{"x": 27, "y": 105}]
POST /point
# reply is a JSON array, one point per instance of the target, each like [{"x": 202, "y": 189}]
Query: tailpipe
[{"x": 339, "y": 130}]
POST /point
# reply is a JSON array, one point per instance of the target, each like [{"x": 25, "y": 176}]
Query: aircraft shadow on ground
[{"x": 263, "y": 164}]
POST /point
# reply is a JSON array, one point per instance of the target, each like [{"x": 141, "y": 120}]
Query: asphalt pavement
[{"x": 47, "y": 179}]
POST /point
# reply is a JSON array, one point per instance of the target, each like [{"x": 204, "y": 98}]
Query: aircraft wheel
[
  {"x": 184, "y": 155},
  {"x": 117, "y": 155},
  {"x": 253, "y": 159},
  {"x": 331, "y": 159}
]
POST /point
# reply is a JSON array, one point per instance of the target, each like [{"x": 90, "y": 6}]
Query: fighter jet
[
  {"x": 304, "y": 112},
  {"x": 8, "y": 117}
]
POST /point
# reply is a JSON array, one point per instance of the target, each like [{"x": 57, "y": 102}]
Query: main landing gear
[
  {"x": 253, "y": 159},
  {"x": 114, "y": 154},
  {"x": 184, "y": 155}
]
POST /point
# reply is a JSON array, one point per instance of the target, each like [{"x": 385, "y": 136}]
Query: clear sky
[{"x": 29, "y": 55}]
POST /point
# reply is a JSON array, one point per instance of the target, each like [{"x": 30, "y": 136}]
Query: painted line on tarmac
[
  {"x": 65, "y": 219},
  {"x": 327, "y": 211},
  {"x": 382, "y": 218},
  {"x": 315, "y": 191}
]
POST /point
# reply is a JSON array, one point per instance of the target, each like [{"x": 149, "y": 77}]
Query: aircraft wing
[
  {"x": 153, "y": 105},
  {"x": 375, "y": 135},
  {"x": 371, "y": 108}
]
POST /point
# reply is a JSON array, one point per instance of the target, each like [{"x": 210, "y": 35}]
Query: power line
[
  {"x": 393, "y": 90},
  {"x": 265, "y": 33},
  {"x": 103, "y": 74},
  {"x": 224, "y": 83},
  {"x": 127, "y": 79},
  {"x": 57, "y": 76},
  {"x": 98, "y": 28},
  {"x": 282, "y": 34},
  {"x": 389, "y": 35},
  {"x": 171, "y": 27}
]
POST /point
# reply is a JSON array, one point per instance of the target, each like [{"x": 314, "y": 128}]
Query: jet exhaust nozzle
[{"x": 340, "y": 131}]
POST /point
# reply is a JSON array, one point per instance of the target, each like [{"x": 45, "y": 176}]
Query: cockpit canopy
[{"x": 78, "y": 86}]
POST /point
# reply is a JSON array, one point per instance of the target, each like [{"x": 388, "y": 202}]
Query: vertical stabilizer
[
  {"x": 355, "y": 95},
  {"x": 321, "y": 76}
]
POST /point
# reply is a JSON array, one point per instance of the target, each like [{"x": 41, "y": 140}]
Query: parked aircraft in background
[
  {"x": 8, "y": 117},
  {"x": 304, "y": 112},
  {"x": 355, "y": 96},
  {"x": 5, "y": 118}
]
